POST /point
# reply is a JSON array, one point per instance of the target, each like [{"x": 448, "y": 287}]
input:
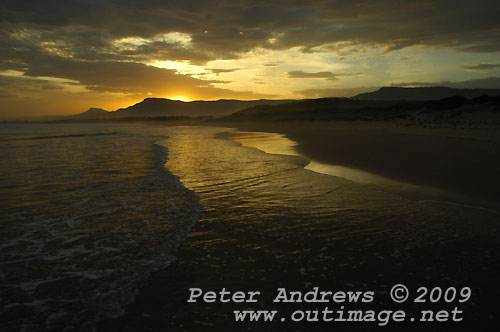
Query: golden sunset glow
[
  {"x": 66, "y": 62},
  {"x": 180, "y": 98},
  {"x": 205, "y": 165}
]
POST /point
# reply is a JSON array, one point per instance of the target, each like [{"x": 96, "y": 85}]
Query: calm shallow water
[
  {"x": 363, "y": 236},
  {"x": 90, "y": 211},
  {"x": 87, "y": 212}
]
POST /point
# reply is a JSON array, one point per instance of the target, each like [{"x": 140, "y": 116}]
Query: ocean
[
  {"x": 88, "y": 211},
  {"x": 91, "y": 211}
]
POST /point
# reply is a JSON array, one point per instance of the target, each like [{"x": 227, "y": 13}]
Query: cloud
[
  {"x": 323, "y": 74},
  {"x": 224, "y": 30},
  {"x": 131, "y": 78},
  {"x": 11, "y": 85},
  {"x": 482, "y": 66},
  {"x": 334, "y": 92},
  {"x": 300, "y": 74},
  {"x": 5, "y": 95},
  {"x": 219, "y": 71},
  {"x": 113, "y": 76},
  {"x": 162, "y": 51},
  {"x": 273, "y": 64}
]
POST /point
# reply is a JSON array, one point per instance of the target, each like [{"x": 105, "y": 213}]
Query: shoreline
[
  {"x": 384, "y": 241},
  {"x": 457, "y": 164}
]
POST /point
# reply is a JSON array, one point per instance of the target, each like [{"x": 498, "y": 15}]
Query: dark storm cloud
[
  {"x": 482, "y": 66},
  {"x": 163, "y": 50},
  {"x": 222, "y": 29},
  {"x": 82, "y": 35},
  {"x": 123, "y": 77},
  {"x": 112, "y": 76}
]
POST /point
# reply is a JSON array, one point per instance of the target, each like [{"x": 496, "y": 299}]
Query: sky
[{"x": 64, "y": 56}]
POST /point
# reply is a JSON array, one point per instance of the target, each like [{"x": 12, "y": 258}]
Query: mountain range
[
  {"x": 483, "y": 109},
  {"x": 384, "y": 98},
  {"x": 160, "y": 107},
  {"x": 423, "y": 93}
]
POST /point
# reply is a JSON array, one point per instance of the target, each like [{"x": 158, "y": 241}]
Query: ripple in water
[{"x": 86, "y": 215}]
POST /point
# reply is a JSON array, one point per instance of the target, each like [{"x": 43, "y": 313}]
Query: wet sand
[
  {"x": 434, "y": 163},
  {"x": 355, "y": 238}
]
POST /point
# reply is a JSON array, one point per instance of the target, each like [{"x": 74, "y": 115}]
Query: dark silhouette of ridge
[
  {"x": 160, "y": 107},
  {"x": 454, "y": 109},
  {"x": 424, "y": 93},
  {"x": 384, "y": 104},
  {"x": 92, "y": 113}
]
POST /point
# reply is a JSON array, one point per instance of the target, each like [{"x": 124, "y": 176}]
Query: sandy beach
[
  {"x": 439, "y": 162},
  {"x": 313, "y": 230}
]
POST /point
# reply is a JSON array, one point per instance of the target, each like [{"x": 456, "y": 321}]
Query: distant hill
[
  {"x": 92, "y": 113},
  {"x": 311, "y": 109},
  {"x": 426, "y": 93},
  {"x": 408, "y": 104},
  {"x": 160, "y": 107},
  {"x": 456, "y": 109}
]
